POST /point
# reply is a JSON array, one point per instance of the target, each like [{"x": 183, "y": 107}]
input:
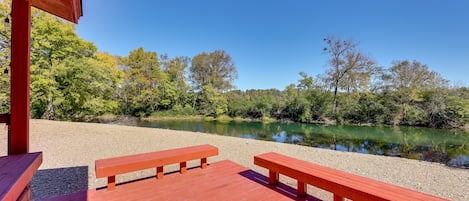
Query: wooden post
[
  {"x": 203, "y": 163},
  {"x": 273, "y": 177},
  {"x": 159, "y": 172},
  {"x": 18, "y": 141},
  {"x": 302, "y": 189},
  {"x": 111, "y": 183},
  {"x": 338, "y": 198},
  {"x": 26, "y": 194},
  {"x": 183, "y": 167}
]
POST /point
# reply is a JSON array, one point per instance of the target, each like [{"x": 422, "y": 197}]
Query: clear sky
[{"x": 271, "y": 41}]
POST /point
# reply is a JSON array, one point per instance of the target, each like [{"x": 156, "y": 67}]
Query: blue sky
[{"x": 271, "y": 41}]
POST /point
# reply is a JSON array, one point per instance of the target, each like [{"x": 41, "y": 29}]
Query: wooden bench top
[
  {"x": 340, "y": 183},
  {"x": 16, "y": 172},
  {"x": 130, "y": 163}
]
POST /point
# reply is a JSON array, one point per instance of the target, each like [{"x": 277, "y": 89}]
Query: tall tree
[
  {"x": 139, "y": 94},
  {"x": 214, "y": 72},
  {"x": 306, "y": 83},
  {"x": 409, "y": 80},
  {"x": 54, "y": 47},
  {"x": 216, "y": 69},
  {"x": 414, "y": 75},
  {"x": 86, "y": 86},
  {"x": 68, "y": 76},
  {"x": 347, "y": 64},
  {"x": 175, "y": 92}
]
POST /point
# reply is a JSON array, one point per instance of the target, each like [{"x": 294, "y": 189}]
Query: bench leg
[
  {"x": 301, "y": 189},
  {"x": 203, "y": 163},
  {"x": 182, "y": 168},
  {"x": 338, "y": 198},
  {"x": 26, "y": 194},
  {"x": 159, "y": 172},
  {"x": 273, "y": 177},
  {"x": 111, "y": 183}
]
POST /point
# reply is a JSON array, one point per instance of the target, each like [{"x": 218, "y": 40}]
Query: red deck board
[
  {"x": 222, "y": 180},
  {"x": 15, "y": 173}
]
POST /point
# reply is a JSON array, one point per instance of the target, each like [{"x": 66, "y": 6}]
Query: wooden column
[
  {"x": 18, "y": 142},
  {"x": 273, "y": 177}
]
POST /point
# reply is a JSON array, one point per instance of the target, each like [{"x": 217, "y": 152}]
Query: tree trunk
[
  {"x": 49, "y": 113},
  {"x": 334, "y": 103}
]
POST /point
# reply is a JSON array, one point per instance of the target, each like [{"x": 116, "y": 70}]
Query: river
[{"x": 435, "y": 145}]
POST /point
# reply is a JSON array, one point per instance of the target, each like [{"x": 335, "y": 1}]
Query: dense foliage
[{"x": 71, "y": 79}]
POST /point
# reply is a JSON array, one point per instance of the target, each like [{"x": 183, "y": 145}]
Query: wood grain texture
[
  {"x": 70, "y": 10},
  {"x": 341, "y": 184}
]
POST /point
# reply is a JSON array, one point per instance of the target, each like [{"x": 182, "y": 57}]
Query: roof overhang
[{"x": 70, "y": 10}]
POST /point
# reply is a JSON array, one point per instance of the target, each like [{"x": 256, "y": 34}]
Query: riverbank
[
  {"x": 129, "y": 120},
  {"x": 70, "y": 150}
]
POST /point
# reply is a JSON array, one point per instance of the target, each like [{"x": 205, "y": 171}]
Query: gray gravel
[{"x": 70, "y": 150}]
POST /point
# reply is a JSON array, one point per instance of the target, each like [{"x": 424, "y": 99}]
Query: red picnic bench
[
  {"x": 111, "y": 167},
  {"x": 341, "y": 184},
  {"x": 229, "y": 181}
]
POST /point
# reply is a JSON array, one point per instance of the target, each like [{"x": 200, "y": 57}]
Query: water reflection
[
  {"x": 449, "y": 147},
  {"x": 248, "y": 136}
]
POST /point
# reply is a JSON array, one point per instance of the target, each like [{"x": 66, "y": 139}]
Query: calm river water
[{"x": 444, "y": 146}]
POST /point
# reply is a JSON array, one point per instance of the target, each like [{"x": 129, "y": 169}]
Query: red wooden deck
[
  {"x": 224, "y": 180},
  {"x": 15, "y": 173}
]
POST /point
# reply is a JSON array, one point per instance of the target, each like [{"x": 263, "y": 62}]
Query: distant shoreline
[{"x": 117, "y": 118}]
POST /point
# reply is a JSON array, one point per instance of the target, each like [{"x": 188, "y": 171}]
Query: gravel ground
[{"x": 70, "y": 150}]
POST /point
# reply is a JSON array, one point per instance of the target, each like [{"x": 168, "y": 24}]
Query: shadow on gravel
[{"x": 54, "y": 182}]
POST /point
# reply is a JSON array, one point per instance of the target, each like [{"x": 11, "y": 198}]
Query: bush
[
  {"x": 209, "y": 118},
  {"x": 238, "y": 119},
  {"x": 224, "y": 118},
  {"x": 268, "y": 120}
]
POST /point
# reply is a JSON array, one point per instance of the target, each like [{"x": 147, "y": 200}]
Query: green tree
[
  {"x": 212, "y": 103},
  {"x": 371, "y": 109},
  {"x": 139, "y": 94},
  {"x": 444, "y": 109},
  {"x": 408, "y": 81},
  {"x": 214, "y": 72},
  {"x": 57, "y": 55},
  {"x": 306, "y": 83},
  {"x": 175, "y": 92},
  {"x": 216, "y": 69},
  {"x": 413, "y": 76},
  {"x": 86, "y": 86},
  {"x": 238, "y": 104},
  {"x": 349, "y": 67}
]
